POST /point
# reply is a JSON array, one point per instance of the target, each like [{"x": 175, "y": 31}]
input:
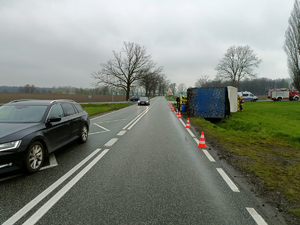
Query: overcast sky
[{"x": 61, "y": 42}]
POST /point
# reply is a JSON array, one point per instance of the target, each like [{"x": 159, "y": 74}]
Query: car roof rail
[
  {"x": 21, "y": 100},
  {"x": 58, "y": 100}
]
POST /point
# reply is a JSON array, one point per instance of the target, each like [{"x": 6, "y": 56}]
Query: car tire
[
  {"x": 34, "y": 157},
  {"x": 84, "y": 133}
]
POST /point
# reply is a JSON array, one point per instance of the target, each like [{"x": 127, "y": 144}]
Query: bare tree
[
  {"x": 292, "y": 45},
  {"x": 128, "y": 66},
  {"x": 203, "y": 79},
  {"x": 172, "y": 87},
  {"x": 237, "y": 63},
  {"x": 150, "y": 80},
  {"x": 181, "y": 88}
]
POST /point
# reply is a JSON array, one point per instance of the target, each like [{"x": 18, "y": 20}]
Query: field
[{"x": 265, "y": 142}]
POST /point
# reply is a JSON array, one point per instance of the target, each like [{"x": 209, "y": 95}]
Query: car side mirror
[{"x": 54, "y": 119}]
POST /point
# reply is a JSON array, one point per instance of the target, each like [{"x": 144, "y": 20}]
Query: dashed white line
[
  {"x": 233, "y": 187},
  {"x": 111, "y": 142},
  {"x": 258, "y": 219}
]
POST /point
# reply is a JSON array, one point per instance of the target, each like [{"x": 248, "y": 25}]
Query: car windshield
[
  {"x": 31, "y": 114},
  {"x": 143, "y": 98}
]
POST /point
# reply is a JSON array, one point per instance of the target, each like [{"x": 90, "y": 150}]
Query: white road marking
[
  {"x": 111, "y": 142},
  {"x": 111, "y": 121},
  {"x": 182, "y": 122},
  {"x": 46, "y": 192},
  {"x": 98, "y": 132},
  {"x": 258, "y": 219},
  {"x": 101, "y": 127},
  {"x": 208, "y": 155},
  {"x": 138, "y": 119},
  {"x": 122, "y": 132},
  {"x": 52, "y": 161},
  {"x": 233, "y": 187},
  {"x": 197, "y": 141},
  {"x": 108, "y": 114},
  {"x": 191, "y": 133},
  {"x": 48, "y": 205},
  {"x": 134, "y": 119}
]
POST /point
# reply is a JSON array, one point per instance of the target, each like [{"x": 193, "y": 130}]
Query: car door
[
  {"x": 56, "y": 133},
  {"x": 74, "y": 119}
]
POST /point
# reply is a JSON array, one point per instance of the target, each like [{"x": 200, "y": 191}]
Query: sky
[{"x": 52, "y": 43}]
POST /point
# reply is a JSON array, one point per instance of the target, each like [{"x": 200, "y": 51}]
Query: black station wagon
[{"x": 32, "y": 129}]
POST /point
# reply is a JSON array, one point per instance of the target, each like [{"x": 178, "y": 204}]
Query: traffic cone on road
[
  {"x": 173, "y": 109},
  {"x": 202, "y": 141},
  {"x": 188, "y": 124},
  {"x": 179, "y": 115},
  {"x": 177, "y": 112}
]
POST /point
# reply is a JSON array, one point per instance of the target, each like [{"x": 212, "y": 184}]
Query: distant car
[
  {"x": 134, "y": 98},
  {"x": 248, "y": 96},
  {"x": 144, "y": 101},
  {"x": 32, "y": 129}
]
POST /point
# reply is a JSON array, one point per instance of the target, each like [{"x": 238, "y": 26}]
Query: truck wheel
[{"x": 279, "y": 99}]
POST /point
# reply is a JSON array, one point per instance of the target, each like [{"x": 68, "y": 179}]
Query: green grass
[
  {"x": 170, "y": 98},
  {"x": 267, "y": 134},
  {"x": 94, "y": 109}
]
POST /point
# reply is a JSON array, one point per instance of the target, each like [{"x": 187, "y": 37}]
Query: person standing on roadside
[
  {"x": 178, "y": 102},
  {"x": 241, "y": 103}
]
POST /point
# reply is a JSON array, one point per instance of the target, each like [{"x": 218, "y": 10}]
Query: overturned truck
[{"x": 211, "y": 102}]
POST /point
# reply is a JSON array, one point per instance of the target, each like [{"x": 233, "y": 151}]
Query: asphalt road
[{"x": 139, "y": 166}]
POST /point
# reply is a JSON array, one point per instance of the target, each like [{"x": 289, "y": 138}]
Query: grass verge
[
  {"x": 94, "y": 109},
  {"x": 267, "y": 134}
]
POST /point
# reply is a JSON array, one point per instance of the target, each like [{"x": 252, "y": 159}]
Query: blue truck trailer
[{"x": 208, "y": 102}]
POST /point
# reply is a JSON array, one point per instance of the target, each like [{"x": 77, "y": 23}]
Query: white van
[{"x": 248, "y": 96}]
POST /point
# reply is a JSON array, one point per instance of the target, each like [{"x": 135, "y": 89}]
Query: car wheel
[
  {"x": 83, "y": 134},
  {"x": 34, "y": 157}
]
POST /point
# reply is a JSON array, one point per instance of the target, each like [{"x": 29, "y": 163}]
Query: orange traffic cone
[
  {"x": 172, "y": 109},
  {"x": 177, "y": 112},
  {"x": 179, "y": 115},
  {"x": 188, "y": 124},
  {"x": 202, "y": 141}
]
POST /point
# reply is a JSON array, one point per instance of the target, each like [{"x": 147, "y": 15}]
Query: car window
[
  {"x": 22, "y": 113},
  {"x": 78, "y": 107},
  {"x": 56, "y": 111},
  {"x": 68, "y": 109}
]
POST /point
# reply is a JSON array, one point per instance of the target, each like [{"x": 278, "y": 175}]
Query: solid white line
[
  {"x": 208, "y": 155},
  {"x": 122, "y": 132},
  {"x": 197, "y": 141},
  {"x": 101, "y": 127},
  {"x": 138, "y": 119},
  {"x": 46, "y": 192},
  {"x": 111, "y": 142},
  {"x": 233, "y": 187},
  {"x": 134, "y": 119},
  {"x": 48, "y": 205},
  {"x": 258, "y": 219}
]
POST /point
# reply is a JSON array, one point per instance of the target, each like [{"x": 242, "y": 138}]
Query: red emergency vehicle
[{"x": 283, "y": 93}]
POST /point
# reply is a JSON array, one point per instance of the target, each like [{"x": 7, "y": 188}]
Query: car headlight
[
  {"x": 9, "y": 145},
  {"x": 139, "y": 101}
]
